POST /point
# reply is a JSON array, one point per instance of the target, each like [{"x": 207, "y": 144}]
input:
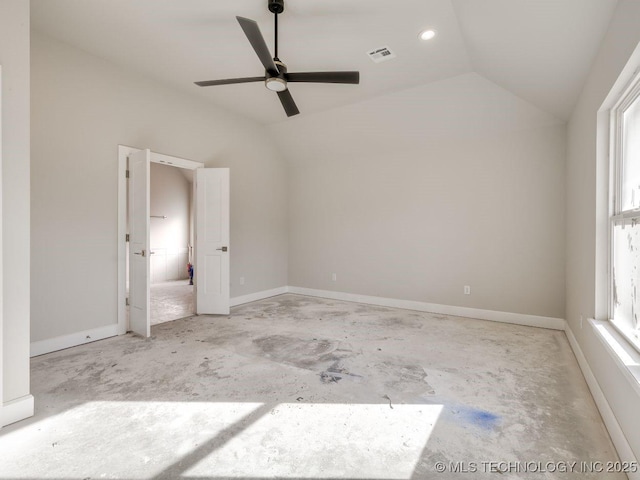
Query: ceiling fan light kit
[
  {"x": 276, "y": 78},
  {"x": 276, "y": 84}
]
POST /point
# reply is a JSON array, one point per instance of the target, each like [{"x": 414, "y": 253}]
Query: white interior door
[
  {"x": 139, "y": 265},
  {"x": 212, "y": 241}
]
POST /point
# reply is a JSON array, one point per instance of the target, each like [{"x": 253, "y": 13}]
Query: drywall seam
[
  {"x": 611, "y": 423},
  {"x": 16, "y": 410},
  {"x": 72, "y": 340},
  {"x": 476, "y": 313}
]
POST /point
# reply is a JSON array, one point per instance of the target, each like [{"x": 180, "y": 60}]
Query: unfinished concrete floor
[
  {"x": 298, "y": 387},
  {"x": 170, "y": 301}
]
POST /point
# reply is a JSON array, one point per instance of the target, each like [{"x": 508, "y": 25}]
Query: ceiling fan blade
[
  {"x": 287, "y": 102},
  {"x": 325, "y": 77},
  {"x": 229, "y": 81},
  {"x": 252, "y": 31}
]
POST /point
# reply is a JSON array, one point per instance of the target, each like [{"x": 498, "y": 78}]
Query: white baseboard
[
  {"x": 87, "y": 336},
  {"x": 608, "y": 417},
  {"x": 495, "y": 316},
  {"x": 16, "y": 410},
  {"x": 253, "y": 297},
  {"x": 79, "y": 338},
  {"x": 72, "y": 340}
]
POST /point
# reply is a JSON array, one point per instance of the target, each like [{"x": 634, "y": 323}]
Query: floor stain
[
  {"x": 480, "y": 418},
  {"x": 336, "y": 372},
  {"x": 326, "y": 377},
  {"x": 310, "y": 353}
]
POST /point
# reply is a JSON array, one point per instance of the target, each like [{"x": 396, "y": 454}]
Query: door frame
[{"x": 123, "y": 152}]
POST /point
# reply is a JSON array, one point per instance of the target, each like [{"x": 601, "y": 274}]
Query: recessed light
[{"x": 427, "y": 34}]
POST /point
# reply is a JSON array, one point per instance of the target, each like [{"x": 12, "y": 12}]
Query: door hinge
[
  {"x": 127, "y": 174},
  {"x": 126, "y": 301},
  {"x": 126, "y": 237}
]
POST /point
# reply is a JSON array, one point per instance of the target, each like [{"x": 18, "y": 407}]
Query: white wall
[
  {"x": 586, "y": 217},
  {"x": 169, "y": 237},
  {"x": 83, "y": 107},
  {"x": 14, "y": 58},
  {"x": 415, "y": 194}
]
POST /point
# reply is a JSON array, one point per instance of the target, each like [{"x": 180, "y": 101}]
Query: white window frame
[{"x": 617, "y": 216}]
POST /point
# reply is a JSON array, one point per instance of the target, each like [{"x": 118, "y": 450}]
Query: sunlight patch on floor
[
  {"x": 326, "y": 441},
  {"x": 151, "y": 436},
  {"x": 226, "y": 440}
]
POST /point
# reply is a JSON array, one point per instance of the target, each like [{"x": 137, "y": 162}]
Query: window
[{"x": 625, "y": 214}]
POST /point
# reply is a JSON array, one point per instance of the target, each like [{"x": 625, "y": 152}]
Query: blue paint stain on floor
[
  {"x": 465, "y": 416},
  {"x": 480, "y": 418}
]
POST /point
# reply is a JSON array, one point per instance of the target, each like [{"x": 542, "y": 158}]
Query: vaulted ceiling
[{"x": 539, "y": 50}]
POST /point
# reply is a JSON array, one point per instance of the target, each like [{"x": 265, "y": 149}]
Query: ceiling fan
[{"x": 276, "y": 76}]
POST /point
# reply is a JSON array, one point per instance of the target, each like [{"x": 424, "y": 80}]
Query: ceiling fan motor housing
[
  {"x": 277, "y": 83},
  {"x": 282, "y": 68},
  {"x": 276, "y": 6}
]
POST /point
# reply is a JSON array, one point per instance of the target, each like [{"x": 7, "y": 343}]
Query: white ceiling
[{"x": 540, "y": 50}]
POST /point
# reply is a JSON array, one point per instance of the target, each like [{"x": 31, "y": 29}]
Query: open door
[
  {"x": 212, "y": 241},
  {"x": 139, "y": 264}
]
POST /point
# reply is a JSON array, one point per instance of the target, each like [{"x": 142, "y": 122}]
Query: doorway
[
  {"x": 171, "y": 243},
  {"x": 208, "y": 237}
]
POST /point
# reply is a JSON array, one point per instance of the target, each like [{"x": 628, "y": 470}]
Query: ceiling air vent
[{"x": 381, "y": 54}]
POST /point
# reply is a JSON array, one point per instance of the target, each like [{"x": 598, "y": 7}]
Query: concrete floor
[
  {"x": 170, "y": 301},
  {"x": 298, "y": 387}
]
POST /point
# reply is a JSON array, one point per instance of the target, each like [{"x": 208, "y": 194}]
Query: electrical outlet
[
  {"x": 334, "y": 277},
  {"x": 467, "y": 290},
  {"x": 241, "y": 280}
]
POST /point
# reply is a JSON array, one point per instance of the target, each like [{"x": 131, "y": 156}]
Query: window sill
[
  {"x": 628, "y": 334},
  {"x": 626, "y": 357}
]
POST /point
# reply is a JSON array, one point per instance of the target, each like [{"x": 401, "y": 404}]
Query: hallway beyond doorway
[{"x": 171, "y": 300}]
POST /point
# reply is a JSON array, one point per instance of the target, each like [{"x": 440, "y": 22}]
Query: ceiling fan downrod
[
  {"x": 276, "y": 7},
  {"x": 276, "y": 39}
]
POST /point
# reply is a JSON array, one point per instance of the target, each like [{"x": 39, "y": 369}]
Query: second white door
[{"x": 212, "y": 241}]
